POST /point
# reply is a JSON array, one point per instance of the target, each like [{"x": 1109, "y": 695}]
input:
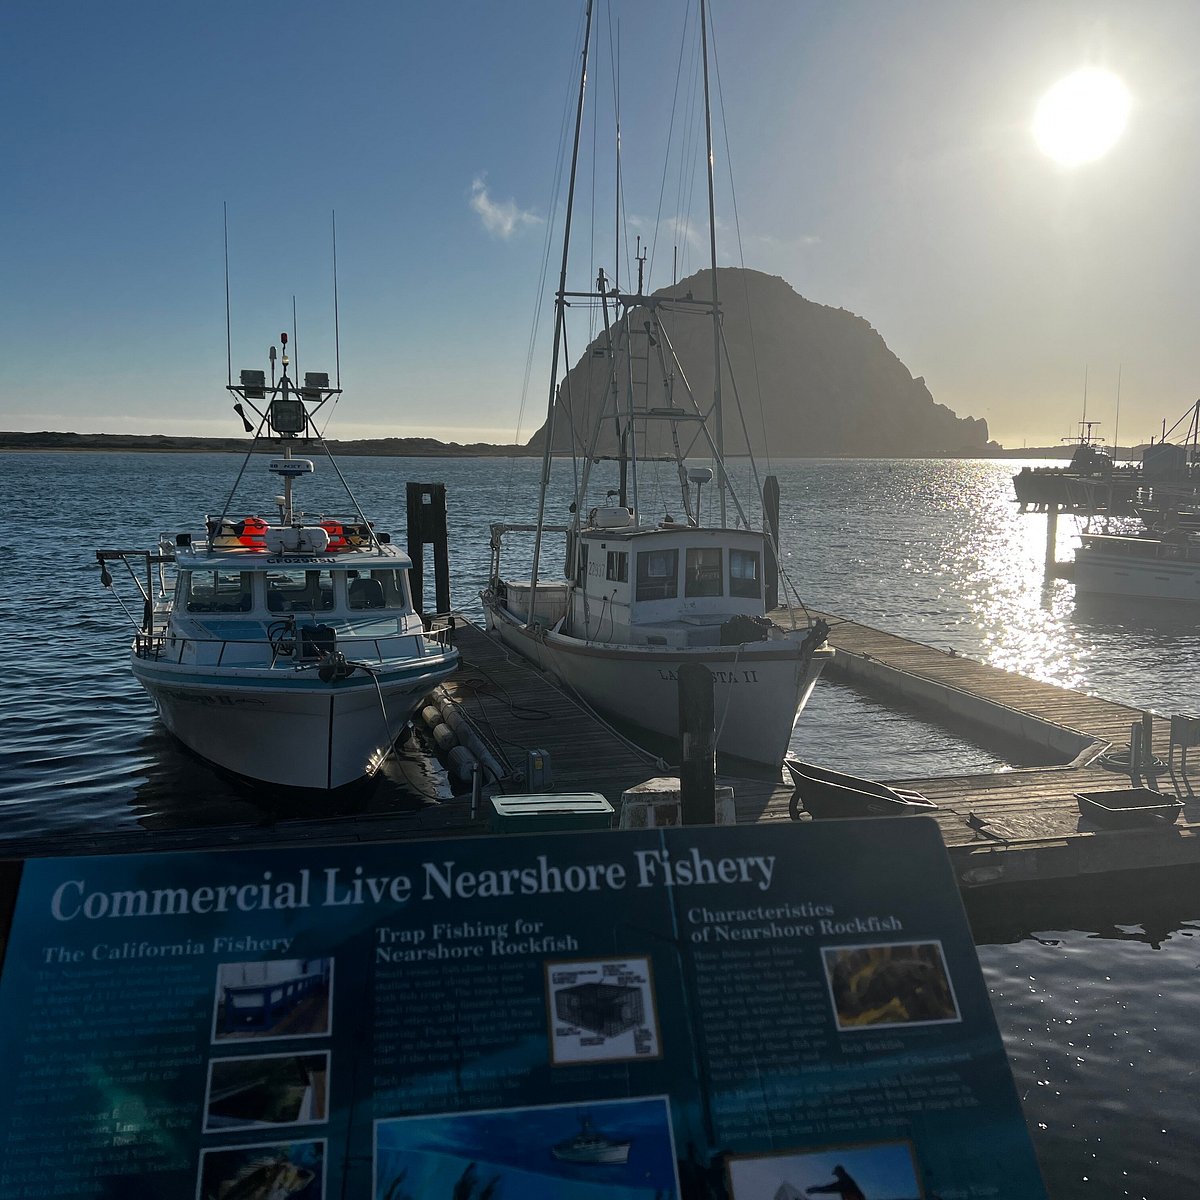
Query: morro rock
[{"x": 825, "y": 384}]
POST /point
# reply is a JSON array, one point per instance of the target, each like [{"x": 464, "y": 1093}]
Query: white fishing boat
[
  {"x": 1161, "y": 566},
  {"x": 285, "y": 649},
  {"x": 648, "y": 586}
]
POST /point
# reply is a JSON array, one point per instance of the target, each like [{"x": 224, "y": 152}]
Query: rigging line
[
  {"x": 737, "y": 400},
  {"x": 737, "y": 225},
  {"x": 662, "y": 190},
  {"x": 543, "y": 272},
  {"x": 564, "y": 399}
]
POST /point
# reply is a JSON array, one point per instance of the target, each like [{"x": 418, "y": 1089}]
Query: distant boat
[
  {"x": 591, "y": 1146},
  {"x": 1163, "y": 567}
]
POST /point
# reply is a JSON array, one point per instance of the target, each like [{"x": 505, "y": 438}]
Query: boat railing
[
  {"x": 440, "y": 628},
  {"x": 163, "y": 646}
]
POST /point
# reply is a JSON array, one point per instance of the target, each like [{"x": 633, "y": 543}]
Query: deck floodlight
[
  {"x": 254, "y": 385},
  {"x": 316, "y": 379},
  {"x": 287, "y": 415}
]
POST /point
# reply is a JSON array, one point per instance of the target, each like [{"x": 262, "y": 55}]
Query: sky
[{"x": 876, "y": 154}]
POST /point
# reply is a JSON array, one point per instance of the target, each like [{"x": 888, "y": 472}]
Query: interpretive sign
[{"x": 747, "y": 1012}]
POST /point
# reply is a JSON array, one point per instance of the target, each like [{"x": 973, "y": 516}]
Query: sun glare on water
[{"x": 1081, "y": 117}]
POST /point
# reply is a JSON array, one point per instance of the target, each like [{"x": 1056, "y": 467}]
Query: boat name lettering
[
  {"x": 295, "y": 558},
  {"x": 718, "y": 676}
]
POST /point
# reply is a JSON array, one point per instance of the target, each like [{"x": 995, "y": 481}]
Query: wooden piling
[
  {"x": 426, "y": 503},
  {"x": 698, "y": 735},
  {"x": 771, "y": 529}
]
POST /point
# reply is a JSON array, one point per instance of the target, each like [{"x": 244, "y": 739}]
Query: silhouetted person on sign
[{"x": 842, "y": 1186}]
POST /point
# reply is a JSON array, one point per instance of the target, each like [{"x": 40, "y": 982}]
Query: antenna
[
  {"x": 1117, "y": 418},
  {"x": 295, "y": 339},
  {"x": 337, "y": 344},
  {"x": 228, "y": 342},
  {"x": 617, "y": 190}
]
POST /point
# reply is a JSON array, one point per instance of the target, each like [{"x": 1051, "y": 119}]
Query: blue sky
[{"x": 881, "y": 153}]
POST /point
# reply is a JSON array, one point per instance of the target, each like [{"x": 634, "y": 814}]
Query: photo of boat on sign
[
  {"x": 619, "y": 1149},
  {"x": 601, "y": 1011},
  {"x": 277, "y": 998}
]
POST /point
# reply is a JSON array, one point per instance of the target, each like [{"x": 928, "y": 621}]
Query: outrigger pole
[{"x": 559, "y": 322}]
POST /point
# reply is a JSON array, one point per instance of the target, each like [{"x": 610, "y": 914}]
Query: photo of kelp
[
  {"x": 276, "y": 998},
  {"x": 905, "y": 984},
  {"x": 623, "y": 1149},
  {"x": 272, "y": 1171},
  {"x": 869, "y": 1171},
  {"x": 267, "y": 1091}
]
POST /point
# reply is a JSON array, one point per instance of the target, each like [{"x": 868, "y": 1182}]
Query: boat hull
[
  {"x": 300, "y": 733},
  {"x": 1102, "y": 573},
  {"x": 760, "y": 688}
]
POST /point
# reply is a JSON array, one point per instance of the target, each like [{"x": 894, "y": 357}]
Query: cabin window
[
  {"x": 745, "y": 578},
  {"x": 657, "y": 574},
  {"x": 310, "y": 591},
  {"x": 702, "y": 574},
  {"x": 618, "y": 566},
  {"x": 375, "y": 589},
  {"x": 583, "y": 561},
  {"x": 220, "y": 591}
]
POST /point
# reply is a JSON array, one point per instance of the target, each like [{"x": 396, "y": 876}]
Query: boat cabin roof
[{"x": 200, "y": 557}]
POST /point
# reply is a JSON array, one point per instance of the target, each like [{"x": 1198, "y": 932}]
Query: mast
[
  {"x": 712, "y": 247},
  {"x": 559, "y": 320}
]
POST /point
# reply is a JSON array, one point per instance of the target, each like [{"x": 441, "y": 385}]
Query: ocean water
[{"x": 1092, "y": 988}]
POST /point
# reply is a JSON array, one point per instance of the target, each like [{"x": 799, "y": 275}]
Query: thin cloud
[{"x": 502, "y": 220}]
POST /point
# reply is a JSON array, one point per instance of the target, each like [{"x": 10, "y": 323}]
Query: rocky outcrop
[{"x": 828, "y": 383}]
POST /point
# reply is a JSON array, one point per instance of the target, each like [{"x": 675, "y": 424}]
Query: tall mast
[
  {"x": 559, "y": 321},
  {"x": 712, "y": 247}
]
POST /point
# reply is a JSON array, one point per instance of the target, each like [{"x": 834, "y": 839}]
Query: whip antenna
[
  {"x": 337, "y": 344},
  {"x": 228, "y": 336}
]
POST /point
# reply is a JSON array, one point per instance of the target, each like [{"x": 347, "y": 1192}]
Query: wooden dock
[
  {"x": 1013, "y": 825},
  {"x": 1023, "y": 824},
  {"x": 516, "y": 709}
]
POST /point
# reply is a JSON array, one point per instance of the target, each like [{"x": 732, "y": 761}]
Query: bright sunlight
[{"x": 1081, "y": 117}]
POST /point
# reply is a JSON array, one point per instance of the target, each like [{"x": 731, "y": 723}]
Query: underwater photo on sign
[{"x": 889, "y": 985}]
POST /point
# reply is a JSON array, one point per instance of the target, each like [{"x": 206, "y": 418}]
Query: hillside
[{"x": 828, "y": 382}]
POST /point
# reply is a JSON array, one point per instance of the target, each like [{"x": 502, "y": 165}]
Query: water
[{"x": 1094, "y": 1009}]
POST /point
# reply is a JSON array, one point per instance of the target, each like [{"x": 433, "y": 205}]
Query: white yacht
[{"x": 285, "y": 650}]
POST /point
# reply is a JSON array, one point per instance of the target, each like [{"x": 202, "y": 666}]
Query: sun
[{"x": 1081, "y": 117}]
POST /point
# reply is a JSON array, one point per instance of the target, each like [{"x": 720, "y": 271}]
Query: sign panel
[{"x": 758, "y": 1013}]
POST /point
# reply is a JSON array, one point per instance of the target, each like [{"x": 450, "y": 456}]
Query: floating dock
[
  {"x": 1006, "y": 826},
  {"x": 1024, "y": 824},
  {"x": 1001, "y": 826}
]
